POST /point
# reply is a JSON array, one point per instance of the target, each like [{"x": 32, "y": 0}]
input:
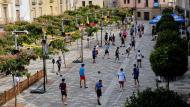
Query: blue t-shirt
[
  {"x": 98, "y": 85},
  {"x": 136, "y": 72},
  {"x": 81, "y": 71}
]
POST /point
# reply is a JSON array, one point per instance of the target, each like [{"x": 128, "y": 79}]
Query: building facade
[
  {"x": 83, "y": 3},
  {"x": 146, "y": 9},
  {"x": 183, "y": 7}
]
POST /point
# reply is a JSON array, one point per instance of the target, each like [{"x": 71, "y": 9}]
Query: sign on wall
[{"x": 155, "y": 4}]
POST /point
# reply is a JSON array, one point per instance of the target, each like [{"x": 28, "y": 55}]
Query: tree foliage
[{"x": 155, "y": 98}]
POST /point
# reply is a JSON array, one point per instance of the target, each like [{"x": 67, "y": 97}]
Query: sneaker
[{"x": 65, "y": 103}]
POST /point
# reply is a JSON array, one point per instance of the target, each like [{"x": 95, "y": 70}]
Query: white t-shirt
[
  {"x": 121, "y": 76},
  {"x": 139, "y": 55}
]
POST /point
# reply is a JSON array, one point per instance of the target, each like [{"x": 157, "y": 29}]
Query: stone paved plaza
[{"x": 81, "y": 97}]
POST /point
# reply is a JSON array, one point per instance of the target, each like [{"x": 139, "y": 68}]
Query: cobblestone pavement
[{"x": 80, "y": 97}]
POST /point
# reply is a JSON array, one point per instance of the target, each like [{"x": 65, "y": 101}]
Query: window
[
  {"x": 17, "y": 2},
  {"x": 51, "y": 1},
  {"x": 124, "y": 1},
  {"x": 40, "y": 11},
  {"x": 146, "y": 4},
  {"x": 18, "y": 15},
  {"x": 61, "y": 9},
  {"x": 83, "y": 3},
  {"x": 51, "y": 9},
  {"x": 139, "y": 1},
  {"x": 138, "y": 14},
  {"x": 34, "y": 12},
  {"x": 61, "y": 1},
  {"x": 128, "y": 1},
  {"x": 90, "y": 2},
  {"x": 164, "y": 0}
]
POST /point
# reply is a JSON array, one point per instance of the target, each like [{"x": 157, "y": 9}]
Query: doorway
[{"x": 146, "y": 15}]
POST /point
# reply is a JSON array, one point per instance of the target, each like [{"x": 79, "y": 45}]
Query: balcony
[
  {"x": 17, "y": 2},
  {"x": 5, "y": 2},
  {"x": 33, "y": 2},
  {"x": 51, "y": 1},
  {"x": 40, "y": 2}
]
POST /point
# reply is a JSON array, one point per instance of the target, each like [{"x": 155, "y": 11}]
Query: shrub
[{"x": 157, "y": 98}]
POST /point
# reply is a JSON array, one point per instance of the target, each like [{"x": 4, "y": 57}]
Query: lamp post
[
  {"x": 44, "y": 55},
  {"x": 135, "y": 16},
  {"x": 15, "y": 35},
  {"x": 101, "y": 27},
  {"x": 62, "y": 27}
]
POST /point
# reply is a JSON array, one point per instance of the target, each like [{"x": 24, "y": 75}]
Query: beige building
[
  {"x": 183, "y": 7},
  {"x": 83, "y": 3},
  {"x": 5, "y": 11}
]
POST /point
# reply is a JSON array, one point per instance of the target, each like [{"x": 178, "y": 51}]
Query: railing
[{"x": 9, "y": 94}]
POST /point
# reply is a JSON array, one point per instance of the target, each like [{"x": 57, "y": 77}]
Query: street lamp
[
  {"x": 135, "y": 16},
  {"x": 102, "y": 18},
  {"x": 15, "y": 34}
]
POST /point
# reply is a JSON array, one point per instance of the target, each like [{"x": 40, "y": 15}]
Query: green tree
[
  {"x": 16, "y": 66},
  {"x": 169, "y": 62},
  {"x": 155, "y": 98},
  {"x": 60, "y": 45}
]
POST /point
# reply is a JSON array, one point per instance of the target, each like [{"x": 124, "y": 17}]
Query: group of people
[
  {"x": 121, "y": 75},
  {"x": 58, "y": 62},
  {"x": 109, "y": 39}
]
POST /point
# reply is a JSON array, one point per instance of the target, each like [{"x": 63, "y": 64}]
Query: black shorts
[
  {"x": 99, "y": 92},
  {"x": 63, "y": 93},
  {"x": 94, "y": 57},
  {"x": 138, "y": 60},
  {"x": 136, "y": 77},
  {"x": 106, "y": 52}
]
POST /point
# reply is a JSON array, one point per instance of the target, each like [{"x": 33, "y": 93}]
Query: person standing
[
  {"x": 63, "y": 88},
  {"x": 82, "y": 76},
  {"x": 106, "y": 50},
  {"x": 53, "y": 62},
  {"x": 98, "y": 90},
  {"x": 122, "y": 41},
  {"x": 136, "y": 75},
  {"x": 113, "y": 39},
  {"x": 59, "y": 61},
  {"x": 121, "y": 79},
  {"x": 128, "y": 50},
  {"x": 133, "y": 42},
  {"x": 139, "y": 57},
  {"x": 117, "y": 54},
  {"x": 106, "y": 37},
  {"x": 110, "y": 39},
  {"x": 94, "y": 54}
]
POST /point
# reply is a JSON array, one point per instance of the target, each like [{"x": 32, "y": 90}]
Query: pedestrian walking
[
  {"x": 82, "y": 76},
  {"x": 136, "y": 75},
  {"x": 58, "y": 62},
  {"x": 98, "y": 90},
  {"x": 139, "y": 57},
  {"x": 97, "y": 50},
  {"x": 113, "y": 39},
  {"x": 63, "y": 88},
  {"x": 121, "y": 79},
  {"x": 133, "y": 42},
  {"x": 132, "y": 31},
  {"x": 117, "y": 54},
  {"x": 142, "y": 29},
  {"x": 94, "y": 54},
  {"x": 106, "y": 50},
  {"x": 128, "y": 49},
  {"x": 106, "y": 37},
  {"x": 53, "y": 62},
  {"x": 122, "y": 41},
  {"x": 110, "y": 39}
]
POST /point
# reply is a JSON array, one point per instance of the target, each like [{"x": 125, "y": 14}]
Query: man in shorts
[
  {"x": 121, "y": 78},
  {"x": 82, "y": 76},
  {"x": 117, "y": 54},
  {"x": 98, "y": 90},
  {"x": 128, "y": 49},
  {"x": 94, "y": 54},
  {"x": 106, "y": 50},
  {"x": 139, "y": 57},
  {"x": 63, "y": 88},
  {"x": 136, "y": 75}
]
